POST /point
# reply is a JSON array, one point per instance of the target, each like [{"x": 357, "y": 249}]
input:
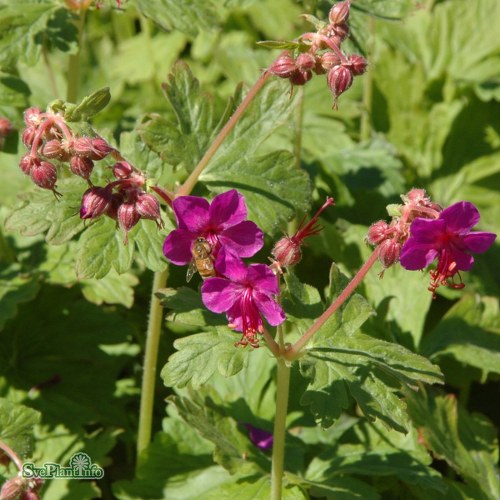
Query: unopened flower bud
[
  {"x": 26, "y": 163},
  {"x": 378, "y": 232},
  {"x": 148, "y": 207},
  {"x": 32, "y": 117},
  {"x": 128, "y": 217},
  {"x": 389, "y": 251},
  {"x": 329, "y": 59},
  {"x": 44, "y": 174},
  {"x": 305, "y": 62},
  {"x": 81, "y": 166},
  {"x": 357, "y": 64},
  {"x": 287, "y": 252},
  {"x": 12, "y": 489},
  {"x": 122, "y": 169},
  {"x": 340, "y": 32},
  {"x": 53, "y": 149},
  {"x": 116, "y": 200},
  {"x": 339, "y": 80},
  {"x": 318, "y": 67},
  {"x": 5, "y": 127},
  {"x": 339, "y": 13},
  {"x": 93, "y": 148},
  {"x": 29, "y": 495},
  {"x": 95, "y": 201},
  {"x": 300, "y": 77},
  {"x": 28, "y": 136},
  {"x": 284, "y": 66}
]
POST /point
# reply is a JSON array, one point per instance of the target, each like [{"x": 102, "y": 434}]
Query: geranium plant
[{"x": 268, "y": 289}]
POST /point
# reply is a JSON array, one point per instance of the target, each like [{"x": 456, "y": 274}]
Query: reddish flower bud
[
  {"x": 12, "y": 488},
  {"x": 300, "y": 77},
  {"x": 28, "y": 136},
  {"x": 29, "y": 495},
  {"x": 287, "y": 252},
  {"x": 81, "y": 166},
  {"x": 95, "y": 202},
  {"x": 93, "y": 148},
  {"x": 122, "y": 169},
  {"x": 51, "y": 133},
  {"x": 318, "y": 67},
  {"x": 389, "y": 251},
  {"x": 339, "y": 33},
  {"x": 339, "y": 13},
  {"x": 339, "y": 80},
  {"x": 305, "y": 62},
  {"x": 44, "y": 175},
  {"x": 53, "y": 149},
  {"x": 128, "y": 217},
  {"x": 32, "y": 117},
  {"x": 357, "y": 64},
  {"x": 284, "y": 66},
  {"x": 26, "y": 163},
  {"x": 378, "y": 232},
  {"x": 5, "y": 127},
  {"x": 329, "y": 59},
  {"x": 116, "y": 200},
  {"x": 148, "y": 207}
]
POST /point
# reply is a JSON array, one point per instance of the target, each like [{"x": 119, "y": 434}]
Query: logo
[{"x": 80, "y": 467}]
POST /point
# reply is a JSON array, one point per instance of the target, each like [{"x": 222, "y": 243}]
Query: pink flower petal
[
  {"x": 270, "y": 309},
  {"x": 177, "y": 246},
  {"x": 262, "y": 278},
  {"x": 463, "y": 260},
  {"x": 460, "y": 217},
  {"x": 244, "y": 239},
  {"x": 219, "y": 294},
  {"x": 478, "y": 242},
  {"x": 192, "y": 213},
  {"x": 415, "y": 256},
  {"x": 231, "y": 266},
  {"x": 227, "y": 209},
  {"x": 427, "y": 231}
]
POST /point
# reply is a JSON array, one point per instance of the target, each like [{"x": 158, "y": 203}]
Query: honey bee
[{"x": 203, "y": 260}]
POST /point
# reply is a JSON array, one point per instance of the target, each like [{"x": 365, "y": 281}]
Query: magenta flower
[
  {"x": 222, "y": 223},
  {"x": 449, "y": 239},
  {"x": 244, "y": 294},
  {"x": 259, "y": 437}
]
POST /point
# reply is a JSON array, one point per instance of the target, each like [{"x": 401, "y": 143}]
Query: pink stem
[
  {"x": 11, "y": 454},
  {"x": 294, "y": 351}
]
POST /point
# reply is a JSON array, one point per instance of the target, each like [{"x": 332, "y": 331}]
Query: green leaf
[
  {"x": 64, "y": 356},
  {"x": 89, "y": 106},
  {"x": 149, "y": 240},
  {"x": 15, "y": 288},
  {"x": 342, "y": 488},
  {"x": 111, "y": 289},
  {"x": 187, "y": 308},
  {"x": 468, "y": 442},
  {"x": 184, "y": 142},
  {"x": 39, "y": 212},
  {"x": 233, "y": 450},
  {"x": 100, "y": 249},
  {"x": 470, "y": 333},
  {"x": 281, "y": 44},
  {"x": 272, "y": 187},
  {"x": 16, "y": 426},
  {"x": 13, "y": 91},
  {"x": 189, "y": 16},
  {"x": 200, "y": 356},
  {"x": 26, "y": 24}
]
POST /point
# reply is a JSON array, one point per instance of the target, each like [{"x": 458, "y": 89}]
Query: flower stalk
[
  {"x": 150, "y": 364},
  {"x": 294, "y": 352}
]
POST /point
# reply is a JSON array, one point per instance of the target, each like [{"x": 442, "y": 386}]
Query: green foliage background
[{"x": 74, "y": 299}]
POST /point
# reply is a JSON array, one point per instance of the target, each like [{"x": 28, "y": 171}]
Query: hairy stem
[
  {"x": 294, "y": 351},
  {"x": 190, "y": 182},
  {"x": 74, "y": 63},
  {"x": 11, "y": 454},
  {"x": 150, "y": 363},
  {"x": 279, "y": 433}
]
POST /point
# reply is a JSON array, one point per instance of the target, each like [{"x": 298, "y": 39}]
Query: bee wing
[{"x": 191, "y": 271}]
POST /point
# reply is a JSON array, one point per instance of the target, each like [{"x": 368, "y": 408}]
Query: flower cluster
[
  {"x": 320, "y": 52},
  {"x": 48, "y": 138},
  {"x": 422, "y": 232},
  {"x": 123, "y": 200},
  {"x": 219, "y": 233}
]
